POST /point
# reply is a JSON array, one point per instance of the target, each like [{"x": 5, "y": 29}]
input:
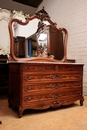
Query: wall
[
  {"x": 72, "y": 15},
  {"x": 11, "y": 5}
]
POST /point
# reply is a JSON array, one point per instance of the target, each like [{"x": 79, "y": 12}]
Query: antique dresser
[{"x": 46, "y": 79}]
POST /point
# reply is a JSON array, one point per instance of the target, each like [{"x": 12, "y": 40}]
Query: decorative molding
[
  {"x": 39, "y": 68},
  {"x": 28, "y": 77},
  {"x": 28, "y": 88},
  {"x": 19, "y": 15},
  {"x": 67, "y": 68},
  {"x": 5, "y": 14},
  {"x": 42, "y": 14}
]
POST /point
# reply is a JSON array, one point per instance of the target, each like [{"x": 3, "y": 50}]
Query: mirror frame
[{"x": 41, "y": 15}]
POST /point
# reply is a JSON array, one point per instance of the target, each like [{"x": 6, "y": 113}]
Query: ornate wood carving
[
  {"x": 42, "y": 14},
  {"x": 55, "y": 86},
  {"x": 29, "y": 68},
  {"x": 28, "y": 77},
  {"x": 68, "y": 68},
  {"x": 27, "y": 98},
  {"x": 28, "y": 88}
]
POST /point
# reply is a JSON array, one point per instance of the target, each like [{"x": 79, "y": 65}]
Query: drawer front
[
  {"x": 39, "y": 68},
  {"x": 51, "y": 86},
  {"x": 48, "y": 95},
  {"x": 68, "y": 68},
  {"x": 52, "y": 68},
  {"x": 52, "y": 102},
  {"x": 53, "y": 76}
]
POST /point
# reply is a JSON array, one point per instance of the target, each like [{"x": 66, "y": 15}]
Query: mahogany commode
[{"x": 46, "y": 80}]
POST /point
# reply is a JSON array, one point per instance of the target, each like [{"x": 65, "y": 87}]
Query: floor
[{"x": 73, "y": 117}]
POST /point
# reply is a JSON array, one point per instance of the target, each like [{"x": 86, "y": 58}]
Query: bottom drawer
[{"x": 52, "y": 103}]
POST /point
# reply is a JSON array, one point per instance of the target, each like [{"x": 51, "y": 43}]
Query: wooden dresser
[
  {"x": 43, "y": 85},
  {"x": 46, "y": 78}
]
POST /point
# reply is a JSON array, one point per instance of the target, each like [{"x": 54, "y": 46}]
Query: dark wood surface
[
  {"x": 4, "y": 78},
  {"x": 4, "y": 74},
  {"x": 44, "y": 85},
  {"x": 56, "y": 43},
  {"x": 19, "y": 46}
]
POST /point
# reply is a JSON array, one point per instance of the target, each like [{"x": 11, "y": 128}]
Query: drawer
[
  {"x": 52, "y": 68},
  {"x": 42, "y": 104},
  {"x": 50, "y": 86},
  {"x": 39, "y": 68},
  {"x": 51, "y": 77},
  {"x": 68, "y": 68},
  {"x": 54, "y": 103},
  {"x": 47, "y": 95}
]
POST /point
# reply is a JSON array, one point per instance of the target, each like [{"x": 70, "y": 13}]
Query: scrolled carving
[
  {"x": 78, "y": 92},
  {"x": 69, "y": 68},
  {"x": 56, "y": 85},
  {"x": 56, "y": 95},
  {"x": 52, "y": 96},
  {"x": 27, "y": 88},
  {"x": 55, "y": 104},
  {"x": 28, "y": 77},
  {"x": 76, "y": 84},
  {"x": 29, "y": 68},
  {"x": 27, "y": 98},
  {"x": 55, "y": 76},
  {"x": 42, "y": 14},
  {"x": 78, "y": 76}
]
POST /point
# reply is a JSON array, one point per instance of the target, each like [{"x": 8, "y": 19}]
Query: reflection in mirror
[
  {"x": 25, "y": 44},
  {"x": 25, "y": 30},
  {"x": 42, "y": 45}
]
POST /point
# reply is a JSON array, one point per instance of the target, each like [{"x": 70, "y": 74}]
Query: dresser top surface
[{"x": 56, "y": 63}]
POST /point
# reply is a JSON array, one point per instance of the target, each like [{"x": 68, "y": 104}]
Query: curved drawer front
[
  {"x": 33, "y": 87},
  {"x": 54, "y": 103},
  {"x": 53, "y": 76}
]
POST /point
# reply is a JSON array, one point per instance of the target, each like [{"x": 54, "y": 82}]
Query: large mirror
[{"x": 37, "y": 38}]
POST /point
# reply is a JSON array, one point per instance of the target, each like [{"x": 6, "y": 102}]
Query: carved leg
[
  {"x": 20, "y": 111},
  {"x": 81, "y": 101}
]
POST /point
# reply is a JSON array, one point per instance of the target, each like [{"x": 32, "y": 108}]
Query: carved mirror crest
[{"x": 37, "y": 38}]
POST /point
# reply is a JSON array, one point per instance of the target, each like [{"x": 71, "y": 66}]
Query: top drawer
[
  {"x": 52, "y": 68},
  {"x": 70, "y": 67},
  {"x": 39, "y": 68}
]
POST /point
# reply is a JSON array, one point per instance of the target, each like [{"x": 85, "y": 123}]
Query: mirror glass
[
  {"x": 25, "y": 42},
  {"x": 42, "y": 44}
]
